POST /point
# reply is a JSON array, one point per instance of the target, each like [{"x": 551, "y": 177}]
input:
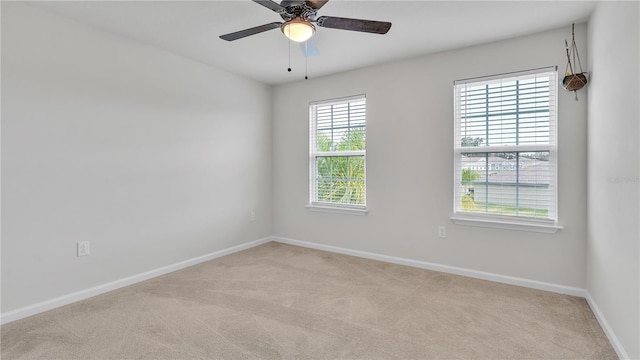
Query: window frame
[
  {"x": 314, "y": 154},
  {"x": 512, "y": 222}
]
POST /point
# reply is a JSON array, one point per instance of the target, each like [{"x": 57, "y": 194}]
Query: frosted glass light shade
[{"x": 298, "y": 30}]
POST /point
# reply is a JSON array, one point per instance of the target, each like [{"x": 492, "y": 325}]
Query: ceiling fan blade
[
  {"x": 309, "y": 48},
  {"x": 252, "y": 31},
  {"x": 370, "y": 26},
  {"x": 271, "y": 5},
  {"x": 316, "y": 4}
]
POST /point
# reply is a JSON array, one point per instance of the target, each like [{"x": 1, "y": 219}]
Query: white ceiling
[{"x": 191, "y": 29}]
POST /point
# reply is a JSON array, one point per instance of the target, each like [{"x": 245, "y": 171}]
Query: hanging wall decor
[{"x": 574, "y": 78}]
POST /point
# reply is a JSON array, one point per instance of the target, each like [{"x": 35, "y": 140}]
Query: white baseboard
[
  {"x": 561, "y": 289},
  {"x": 101, "y": 289},
  {"x": 613, "y": 339}
]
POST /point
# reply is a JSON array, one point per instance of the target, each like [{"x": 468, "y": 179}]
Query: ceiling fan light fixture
[{"x": 298, "y": 30}]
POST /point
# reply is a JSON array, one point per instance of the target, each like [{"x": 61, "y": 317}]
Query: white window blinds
[
  {"x": 338, "y": 151},
  {"x": 505, "y": 145}
]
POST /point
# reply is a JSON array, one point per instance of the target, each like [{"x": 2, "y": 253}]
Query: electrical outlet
[
  {"x": 252, "y": 215},
  {"x": 83, "y": 248},
  {"x": 442, "y": 231}
]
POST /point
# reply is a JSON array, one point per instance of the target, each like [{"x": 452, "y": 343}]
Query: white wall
[
  {"x": 614, "y": 168},
  {"x": 151, "y": 157},
  {"x": 410, "y": 164}
]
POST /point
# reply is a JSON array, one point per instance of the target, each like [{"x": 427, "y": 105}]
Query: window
[
  {"x": 505, "y": 149},
  {"x": 337, "y": 154}
]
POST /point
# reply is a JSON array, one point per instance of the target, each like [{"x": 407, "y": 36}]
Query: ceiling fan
[{"x": 299, "y": 16}]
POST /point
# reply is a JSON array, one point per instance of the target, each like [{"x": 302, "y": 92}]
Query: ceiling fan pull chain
[
  {"x": 306, "y": 60},
  {"x": 289, "y": 69}
]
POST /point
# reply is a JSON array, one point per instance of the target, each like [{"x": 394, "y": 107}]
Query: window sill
[
  {"x": 337, "y": 209},
  {"x": 547, "y": 228}
]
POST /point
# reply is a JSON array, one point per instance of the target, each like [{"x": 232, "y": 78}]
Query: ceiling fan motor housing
[{"x": 297, "y": 9}]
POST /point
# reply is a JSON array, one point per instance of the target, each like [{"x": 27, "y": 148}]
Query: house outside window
[
  {"x": 505, "y": 152},
  {"x": 337, "y": 162}
]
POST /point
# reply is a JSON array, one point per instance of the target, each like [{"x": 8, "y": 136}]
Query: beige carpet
[{"x": 278, "y": 301}]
